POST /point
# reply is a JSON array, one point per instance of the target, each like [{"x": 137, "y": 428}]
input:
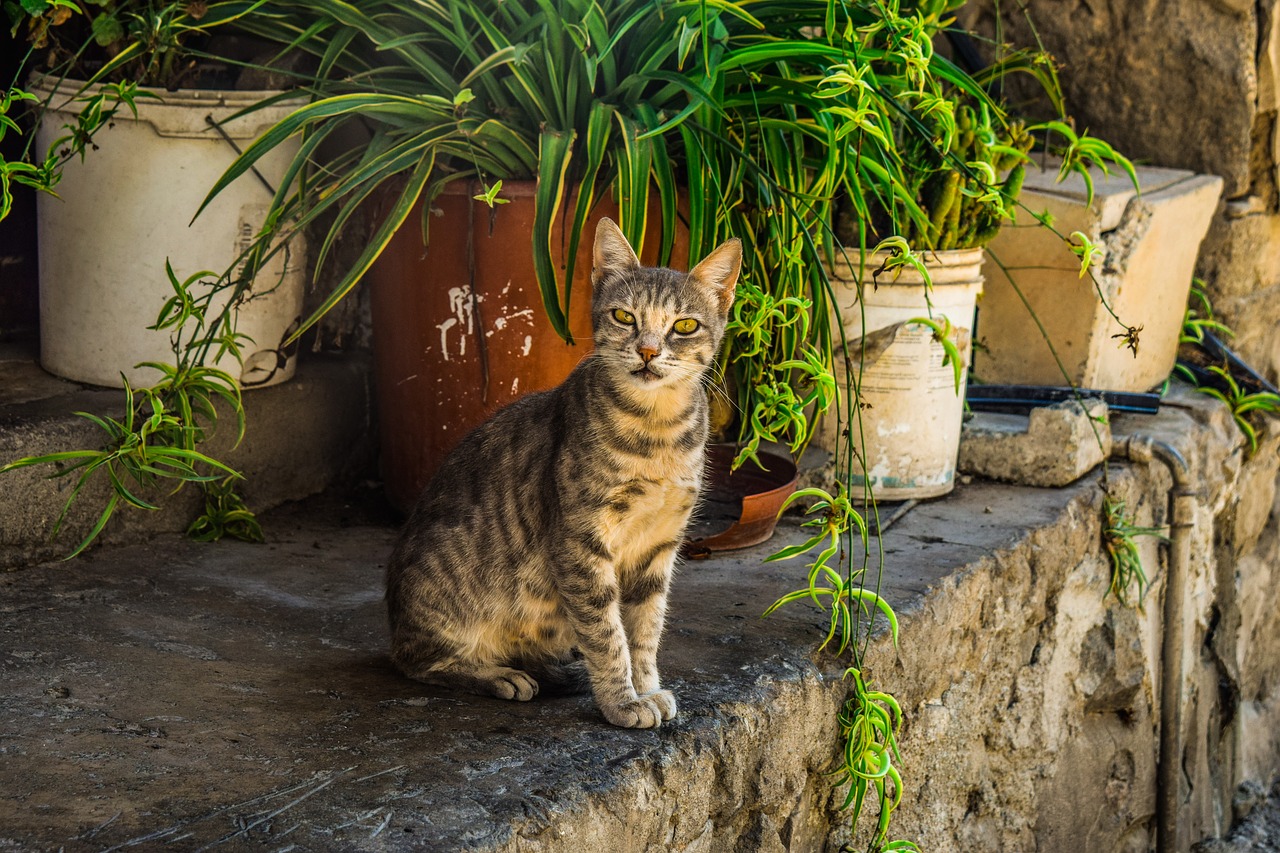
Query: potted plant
[
  {"x": 907, "y": 285},
  {"x": 497, "y": 131},
  {"x": 203, "y": 326},
  {"x": 705, "y": 116},
  {"x": 164, "y": 108}
]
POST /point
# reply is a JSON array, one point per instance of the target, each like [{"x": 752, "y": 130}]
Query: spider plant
[
  {"x": 750, "y": 118},
  {"x": 107, "y": 50},
  {"x": 760, "y": 113},
  {"x": 563, "y": 91},
  {"x": 1118, "y": 533}
]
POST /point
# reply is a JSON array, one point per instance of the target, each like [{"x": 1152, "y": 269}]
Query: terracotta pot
[
  {"x": 459, "y": 328},
  {"x": 739, "y": 508}
]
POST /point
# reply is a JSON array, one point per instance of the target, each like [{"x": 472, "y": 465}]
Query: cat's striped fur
[{"x": 551, "y": 532}]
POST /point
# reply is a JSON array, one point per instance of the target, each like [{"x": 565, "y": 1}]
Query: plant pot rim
[
  {"x": 206, "y": 114},
  {"x": 52, "y": 85},
  {"x": 761, "y": 492},
  {"x": 947, "y": 267},
  {"x": 946, "y": 256}
]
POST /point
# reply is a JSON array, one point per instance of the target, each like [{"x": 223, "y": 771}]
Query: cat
[{"x": 546, "y": 542}]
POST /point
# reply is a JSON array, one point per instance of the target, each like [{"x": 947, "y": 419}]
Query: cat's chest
[{"x": 645, "y": 512}]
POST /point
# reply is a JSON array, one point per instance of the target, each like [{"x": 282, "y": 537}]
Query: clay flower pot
[{"x": 459, "y": 327}]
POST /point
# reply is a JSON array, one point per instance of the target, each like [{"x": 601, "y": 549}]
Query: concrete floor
[
  {"x": 188, "y": 695},
  {"x": 184, "y": 696}
]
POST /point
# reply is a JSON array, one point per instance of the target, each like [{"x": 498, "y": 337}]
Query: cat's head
[{"x": 656, "y": 327}]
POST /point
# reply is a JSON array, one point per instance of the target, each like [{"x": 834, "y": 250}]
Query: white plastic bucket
[
  {"x": 909, "y": 409},
  {"x": 128, "y": 206}
]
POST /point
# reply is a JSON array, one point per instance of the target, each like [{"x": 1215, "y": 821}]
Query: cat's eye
[
  {"x": 626, "y": 318},
  {"x": 687, "y": 326}
]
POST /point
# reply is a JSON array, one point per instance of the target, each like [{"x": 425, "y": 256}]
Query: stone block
[
  {"x": 1150, "y": 242},
  {"x": 1254, "y": 319},
  {"x": 1255, "y": 497},
  {"x": 1240, "y": 255},
  {"x": 1053, "y": 446},
  {"x": 301, "y": 437}
]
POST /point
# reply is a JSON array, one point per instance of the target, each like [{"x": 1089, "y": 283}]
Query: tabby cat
[{"x": 546, "y": 541}]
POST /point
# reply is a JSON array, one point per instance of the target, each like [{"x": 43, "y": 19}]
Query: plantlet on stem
[
  {"x": 869, "y": 720},
  {"x": 156, "y": 441},
  {"x": 1118, "y": 535}
]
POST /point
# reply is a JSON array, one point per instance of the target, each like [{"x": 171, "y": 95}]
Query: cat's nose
[{"x": 648, "y": 352}]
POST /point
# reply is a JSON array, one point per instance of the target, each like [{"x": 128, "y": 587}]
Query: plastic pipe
[{"x": 1145, "y": 449}]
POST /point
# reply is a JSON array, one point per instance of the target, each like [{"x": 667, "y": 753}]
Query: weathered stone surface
[
  {"x": 1240, "y": 256},
  {"x": 1192, "y": 84},
  {"x": 1259, "y": 832},
  {"x": 1052, "y": 446},
  {"x": 302, "y": 436},
  {"x": 24, "y": 381},
  {"x": 1254, "y": 318},
  {"x": 236, "y": 693},
  {"x": 1174, "y": 83}
]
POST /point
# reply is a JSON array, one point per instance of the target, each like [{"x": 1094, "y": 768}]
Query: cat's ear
[
  {"x": 612, "y": 253},
  {"x": 719, "y": 271}
]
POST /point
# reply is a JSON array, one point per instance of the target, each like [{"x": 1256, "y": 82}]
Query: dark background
[{"x": 19, "y": 291}]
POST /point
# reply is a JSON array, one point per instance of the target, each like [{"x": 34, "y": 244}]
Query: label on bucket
[
  {"x": 248, "y": 223},
  {"x": 914, "y": 362}
]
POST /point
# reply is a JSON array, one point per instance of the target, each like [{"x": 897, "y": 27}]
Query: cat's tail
[{"x": 563, "y": 678}]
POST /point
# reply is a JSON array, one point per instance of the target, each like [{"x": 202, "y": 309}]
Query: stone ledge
[
  {"x": 169, "y": 690},
  {"x": 264, "y": 667},
  {"x": 302, "y": 437},
  {"x": 1051, "y": 446}
]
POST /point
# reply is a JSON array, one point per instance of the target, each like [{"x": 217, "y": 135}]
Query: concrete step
[
  {"x": 302, "y": 437},
  {"x": 172, "y": 693}
]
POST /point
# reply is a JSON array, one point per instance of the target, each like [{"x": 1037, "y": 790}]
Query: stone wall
[
  {"x": 1034, "y": 701},
  {"x": 1191, "y": 84},
  {"x": 1032, "y": 698}
]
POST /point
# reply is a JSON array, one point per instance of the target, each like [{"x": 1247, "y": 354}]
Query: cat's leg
[
  {"x": 589, "y": 593},
  {"x": 644, "y": 608},
  {"x": 424, "y": 655}
]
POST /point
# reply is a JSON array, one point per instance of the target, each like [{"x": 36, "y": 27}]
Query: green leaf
[
  {"x": 795, "y": 550},
  {"x": 106, "y": 29},
  {"x": 394, "y": 219},
  {"x": 107, "y": 511},
  {"x": 555, "y": 149},
  {"x": 599, "y": 129}
]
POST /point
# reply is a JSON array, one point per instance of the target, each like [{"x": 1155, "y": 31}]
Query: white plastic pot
[
  {"x": 909, "y": 408},
  {"x": 128, "y": 206}
]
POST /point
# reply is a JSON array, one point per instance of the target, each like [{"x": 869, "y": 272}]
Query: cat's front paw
[
  {"x": 645, "y": 712},
  {"x": 666, "y": 702}
]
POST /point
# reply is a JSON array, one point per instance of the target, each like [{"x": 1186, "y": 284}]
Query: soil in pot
[{"x": 738, "y": 508}]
